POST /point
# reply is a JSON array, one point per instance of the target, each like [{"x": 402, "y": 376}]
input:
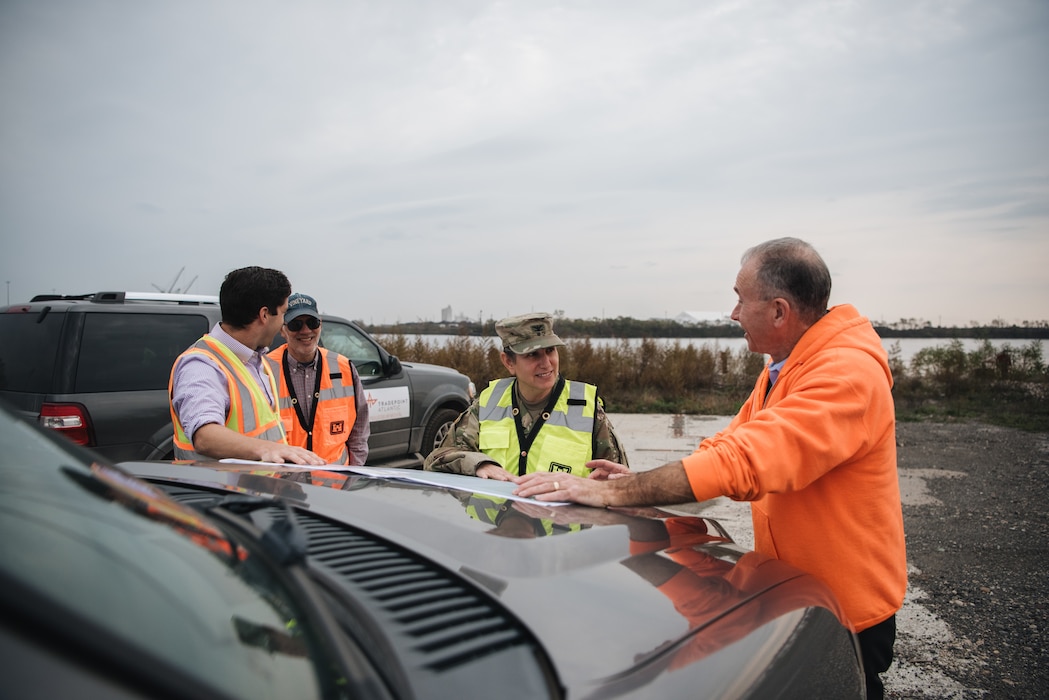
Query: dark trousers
[{"x": 876, "y": 650}]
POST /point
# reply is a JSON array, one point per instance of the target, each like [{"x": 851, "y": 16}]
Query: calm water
[{"x": 908, "y": 346}]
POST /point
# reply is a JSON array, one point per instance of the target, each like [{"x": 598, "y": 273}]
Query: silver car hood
[{"x": 623, "y": 601}]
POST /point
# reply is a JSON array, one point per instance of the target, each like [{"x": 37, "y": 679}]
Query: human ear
[
  {"x": 781, "y": 309},
  {"x": 511, "y": 365}
]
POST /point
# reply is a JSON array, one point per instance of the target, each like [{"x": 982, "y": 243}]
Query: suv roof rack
[
  {"x": 121, "y": 297},
  {"x": 59, "y": 297},
  {"x": 117, "y": 297}
]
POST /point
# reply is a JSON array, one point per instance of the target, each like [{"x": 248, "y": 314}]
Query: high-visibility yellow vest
[
  {"x": 250, "y": 411},
  {"x": 562, "y": 440},
  {"x": 334, "y": 407}
]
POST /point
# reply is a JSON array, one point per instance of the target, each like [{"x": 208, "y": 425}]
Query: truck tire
[{"x": 440, "y": 423}]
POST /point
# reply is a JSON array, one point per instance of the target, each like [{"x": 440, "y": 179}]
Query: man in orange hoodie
[{"x": 813, "y": 448}]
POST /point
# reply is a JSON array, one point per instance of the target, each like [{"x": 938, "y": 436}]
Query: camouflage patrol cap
[{"x": 527, "y": 332}]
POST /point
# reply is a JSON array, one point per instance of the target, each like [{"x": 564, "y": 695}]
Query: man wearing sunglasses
[{"x": 322, "y": 403}]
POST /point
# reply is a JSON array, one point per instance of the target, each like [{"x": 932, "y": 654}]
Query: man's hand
[
  {"x": 219, "y": 442},
  {"x": 279, "y": 452},
  {"x": 547, "y": 486},
  {"x": 663, "y": 486},
  {"x": 603, "y": 470}
]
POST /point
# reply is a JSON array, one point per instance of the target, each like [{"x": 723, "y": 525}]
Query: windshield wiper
[{"x": 284, "y": 539}]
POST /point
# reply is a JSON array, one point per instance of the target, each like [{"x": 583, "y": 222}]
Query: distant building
[
  {"x": 449, "y": 317},
  {"x": 696, "y": 318}
]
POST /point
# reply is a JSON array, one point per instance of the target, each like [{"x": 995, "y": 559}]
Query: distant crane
[{"x": 171, "y": 287}]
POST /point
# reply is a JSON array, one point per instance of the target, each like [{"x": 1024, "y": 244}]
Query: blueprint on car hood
[{"x": 460, "y": 482}]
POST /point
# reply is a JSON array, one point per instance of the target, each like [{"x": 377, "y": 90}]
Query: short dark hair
[
  {"x": 248, "y": 289},
  {"x": 791, "y": 268}
]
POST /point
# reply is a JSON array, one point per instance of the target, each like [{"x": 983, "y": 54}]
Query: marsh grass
[{"x": 1006, "y": 385}]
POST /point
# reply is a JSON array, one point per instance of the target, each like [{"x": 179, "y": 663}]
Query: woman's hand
[{"x": 491, "y": 470}]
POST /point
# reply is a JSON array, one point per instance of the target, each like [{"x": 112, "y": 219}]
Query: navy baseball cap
[{"x": 301, "y": 305}]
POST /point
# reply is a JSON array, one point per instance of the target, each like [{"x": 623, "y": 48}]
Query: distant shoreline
[{"x": 633, "y": 328}]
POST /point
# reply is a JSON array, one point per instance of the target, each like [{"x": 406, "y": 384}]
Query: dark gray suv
[{"x": 96, "y": 366}]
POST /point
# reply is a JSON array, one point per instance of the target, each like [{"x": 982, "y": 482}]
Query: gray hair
[{"x": 792, "y": 269}]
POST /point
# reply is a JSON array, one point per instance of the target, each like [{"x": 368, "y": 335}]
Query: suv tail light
[{"x": 70, "y": 419}]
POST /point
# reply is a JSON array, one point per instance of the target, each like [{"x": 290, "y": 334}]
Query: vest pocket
[
  {"x": 560, "y": 455},
  {"x": 331, "y": 424},
  {"x": 493, "y": 438}
]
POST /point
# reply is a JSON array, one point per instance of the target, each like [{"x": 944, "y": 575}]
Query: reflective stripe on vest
[
  {"x": 564, "y": 441},
  {"x": 334, "y": 408},
  {"x": 250, "y": 411}
]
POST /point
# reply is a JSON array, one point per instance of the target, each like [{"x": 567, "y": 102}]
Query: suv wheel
[{"x": 440, "y": 423}]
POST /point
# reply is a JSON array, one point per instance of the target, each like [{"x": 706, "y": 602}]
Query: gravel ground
[
  {"x": 975, "y": 623},
  {"x": 977, "y": 521}
]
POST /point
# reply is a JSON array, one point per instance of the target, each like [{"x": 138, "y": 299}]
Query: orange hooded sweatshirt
[{"x": 817, "y": 460}]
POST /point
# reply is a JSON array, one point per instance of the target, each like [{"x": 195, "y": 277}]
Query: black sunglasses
[{"x": 295, "y": 325}]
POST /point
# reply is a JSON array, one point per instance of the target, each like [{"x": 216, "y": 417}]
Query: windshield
[
  {"x": 347, "y": 341},
  {"x": 132, "y": 570}
]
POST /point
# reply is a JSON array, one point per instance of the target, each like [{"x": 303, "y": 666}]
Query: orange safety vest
[
  {"x": 334, "y": 407},
  {"x": 250, "y": 412}
]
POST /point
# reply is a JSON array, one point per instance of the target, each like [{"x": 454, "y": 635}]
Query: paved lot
[{"x": 976, "y": 617}]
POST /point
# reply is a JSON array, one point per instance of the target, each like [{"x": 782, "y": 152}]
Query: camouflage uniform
[
  {"x": 458, "y": 452},
  {"x": 520, "y": 335}
]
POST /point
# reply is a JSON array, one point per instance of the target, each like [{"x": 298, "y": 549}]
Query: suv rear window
[
  {"x": 28, "y": 351},
  {"x": 133, "y": 352}
]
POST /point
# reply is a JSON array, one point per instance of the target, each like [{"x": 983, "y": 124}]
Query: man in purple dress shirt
[{"x": 253, "y": 301}]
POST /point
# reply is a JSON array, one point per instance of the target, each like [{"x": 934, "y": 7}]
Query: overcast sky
[{"x": 600, "y": 158}]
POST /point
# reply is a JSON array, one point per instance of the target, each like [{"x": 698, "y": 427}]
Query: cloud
[{"x": 610, "y": 159}]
